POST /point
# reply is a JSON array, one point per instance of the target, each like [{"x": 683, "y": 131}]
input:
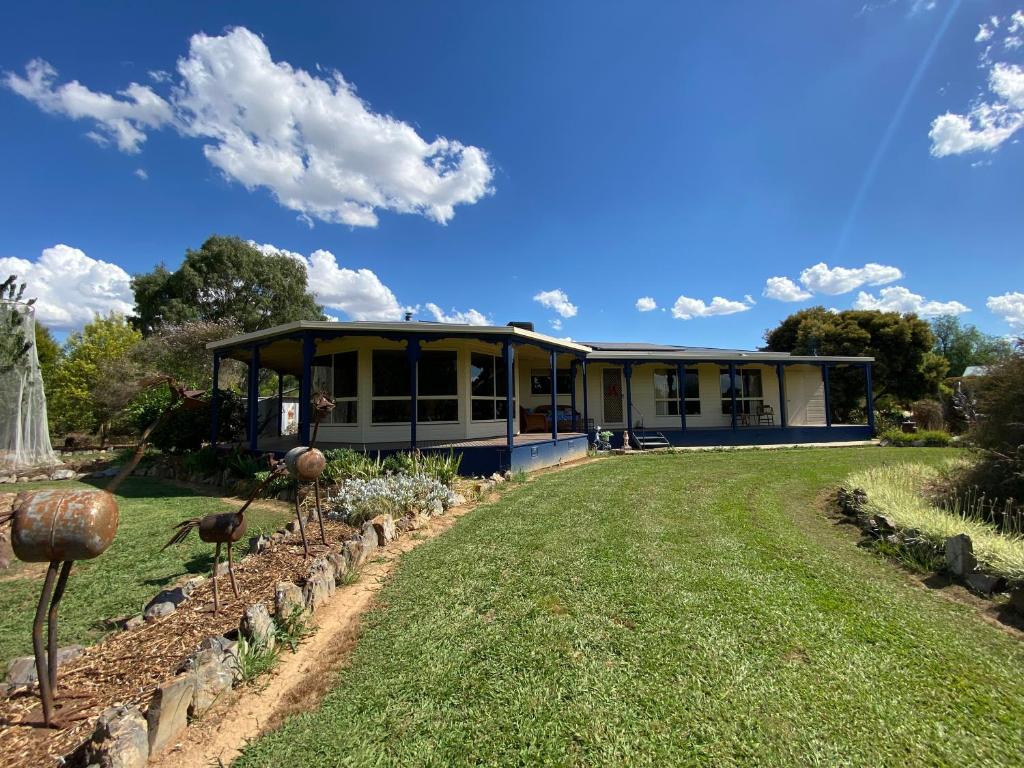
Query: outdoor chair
[{"x": 765, "y": 415}]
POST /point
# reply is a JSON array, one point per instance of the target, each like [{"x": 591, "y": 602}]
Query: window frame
[
  {"x": 744, "y": 400},
  {"x": 688, "y": 402},
  {"x": 545, "y": 373},
  {"x": 495, "y": 397},
  {"x": 420, "y": 398}
]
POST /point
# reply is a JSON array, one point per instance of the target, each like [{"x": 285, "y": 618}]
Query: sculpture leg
[
  {"x": 231, "y": 572},
  {"x": 216, "y": 566},
  {"x": 51, "y": 624},
  {"x": 302, "y": 527},
  {"x": 319, "y": 511},
  {"x": 45, "y": 692}
]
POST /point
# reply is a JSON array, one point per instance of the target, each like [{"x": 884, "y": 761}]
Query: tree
[
  {"x": 226, "y": 281},
  {"x": 999, "y": 431},
  {"x": 905, "y": 367},
  {"x": 180, "y": 351},
  {"x": 964, "y": 345},
  {"x": 96, "y": 377},
  {"x": 50, "y": 353}
]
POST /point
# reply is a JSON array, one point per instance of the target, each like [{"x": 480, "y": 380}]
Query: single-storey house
[{"x": 507, "y": 397}]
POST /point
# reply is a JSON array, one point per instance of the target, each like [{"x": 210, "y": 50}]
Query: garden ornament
[
  {"x": 60, "y": 527},
  {"x": 306, "y": 464},
  {"x": 224, "y": 528}
]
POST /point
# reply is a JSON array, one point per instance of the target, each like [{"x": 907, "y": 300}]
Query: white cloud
[
  {"x": 469, "y": 317},
  {"x": 899, "y": 299},
  {"x": 141, "y": 173},
  {"x": 307, "y": 138},
  {"x": 835, "y": 280},
  {"x": 784, "y": 289},
  {"x": 686, "y": 308},
  {"x": 556, "y": 324},
  {"x": 123, "y": 118},
  {"x": 990, "y": 122},
  {"x": 71, "y": 287},
  {"x": 359, "y": 293},
  {"x": 1010, "y": 307},
  {"x": 646, "y": 304},
  {"x": 557, "y": 300}
]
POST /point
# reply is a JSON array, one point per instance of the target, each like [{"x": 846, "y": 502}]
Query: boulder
[
  {"x": 257, "y": 627},
  {"x": 212, "y": 673},
  {"x": 120, "y": 739},
  {"x": 287, "y": 597},
  {"x": 984, "y": 584},
  {"x": 22, "y": 670},
  {"x": 175, "y": 596},
  {"x": 355, "y": 555},
  {"x": 168, "y": 712},
  {"x": 318, "y": 590},
  {"x": 62, "y": 474},
  {"x": 133, "y": 622},
  {"x": 258, "y": 545},
  {"x": 384, "y": 525},
  {"x": 157, "y": 611},
  {"x": 340, "y": 565},
  {"x": 960, "y": 555},
  {"x": 369, "y": 537}
]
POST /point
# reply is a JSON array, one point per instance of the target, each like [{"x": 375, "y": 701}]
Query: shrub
[
  {"x": 204, "y": 461},
  {"x": 999, "y": 431},
  {"x": 346, "y": 464},
  {"x": 186, "y": 429},
  {"x": 928, "y": 415},
  {"x": 442, "y": 467},
  {"x": 243, "y": 464},
  {"x": 929, "y": 438},
  {"x": 357, "y": 501},
  {"x": 400, "y": 463}
]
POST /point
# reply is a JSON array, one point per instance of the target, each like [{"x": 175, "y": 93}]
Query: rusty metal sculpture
[
  {"x": 224, "y": 528},
  {"x": 61, "y": 527},
  {"x": 306, "y": 464}
]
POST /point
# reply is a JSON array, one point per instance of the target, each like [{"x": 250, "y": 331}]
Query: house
[{"x": 489, "y": 392}]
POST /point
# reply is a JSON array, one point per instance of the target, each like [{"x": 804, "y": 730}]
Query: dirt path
[{"x": 300, "y": 680}]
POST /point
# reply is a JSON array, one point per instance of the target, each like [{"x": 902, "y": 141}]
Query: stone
[
  {"x": 321, "y": 566},
  {"x": 498, "y": 478},
  {"x": 120, "y": 739},
  {"x": 157, "y": 611},
  {"x": 458, "y": 499},
  {"x": 1017, "y": 600},
  {"x": 222, "y": 568},
  {"x": 354, "y": 553},
  {"x": 212, "y": 674},
  {"x": 369, "y": 537},
  {"x": 960, "y": 555},
  {"x": 175, "y": 596},
  {"x": 133, "y": 622},
  {"x": 257, "y": 627},
  {"x": 404, "y": 524},
  {"x": 7, "y": 479},
  {"x": 62, "y": 474},
  {"x": 436, "y": 508},
  {"x": 883, "y": 525},
  {"x": 192, "y": 585},
  {"x": 38, "y": 478},
  {"x": 276, "y": 538},
  {"x": 258, "y": 545},
  {"x": 317, "y": 591},
  {"x": 228, "y": 651},
  {"x": 292, "y": 527},
  {"x": 287, "y": 597},
  {"x": 168, "y": 712},
  {"x": 340, "y": 565},
  {"x": 384, "y": 525},
  {"x": 983, "y": 583},
  {"x": 22, "y": 670}
]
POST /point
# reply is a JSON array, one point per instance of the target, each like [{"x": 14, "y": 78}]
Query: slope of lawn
[
  {"x": 688, "y": 609},
  {"x": 126, "y": 576}
]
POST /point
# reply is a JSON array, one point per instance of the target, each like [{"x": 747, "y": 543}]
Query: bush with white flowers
[{"x": 357, "y": 500}]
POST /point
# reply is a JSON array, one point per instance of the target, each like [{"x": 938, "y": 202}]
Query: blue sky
[{"x": 477, "y": 156}]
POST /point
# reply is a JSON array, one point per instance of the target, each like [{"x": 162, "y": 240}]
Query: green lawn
[
  {"x": 689, "y": 609},
  {"x": 127, "y": 575}
]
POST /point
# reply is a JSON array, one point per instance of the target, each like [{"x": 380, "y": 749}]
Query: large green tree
[
  {"x": 964, "y": 345},
  {"x": 905, "y": 367},
  {"x": 96, "y": 377},
  {"x": 226, "y": 281}
]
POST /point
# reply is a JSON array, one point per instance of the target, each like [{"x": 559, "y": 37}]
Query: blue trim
[
  {"x": 681, "y": 391},
  {"x": 254, "y": 399},
  {"x": 509, "y": 354},
  {"x": 627, "y": 370},
  {"x": 280, "y": 404},
  {"x": 724, "y": 436},
  {"x": 554, "y": 395},
  {"x": 780, "y": 374},
  {"x": 828, "y": 395},
  {"x": 732, "y": 392},
  {"x": 306, "y": 387},
  {"x": 412, "y": 350},
  {"x": 586, "y": 399},
  {"x": 215, "y": 400},
  {"x": 869, "y": 403},
  {"x": 572, "y": 393}
]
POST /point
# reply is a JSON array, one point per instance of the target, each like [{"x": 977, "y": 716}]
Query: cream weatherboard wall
[{"x": 805, "y": 396}]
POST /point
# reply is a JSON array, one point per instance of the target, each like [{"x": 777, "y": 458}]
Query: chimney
[
  {"x": 408, "y": 316},
  {"x": 524, "y": 325}
]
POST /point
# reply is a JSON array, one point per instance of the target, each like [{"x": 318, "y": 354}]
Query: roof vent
[
  {"x": 408, "y": 316},
  {"x": 521, "y": 324}
]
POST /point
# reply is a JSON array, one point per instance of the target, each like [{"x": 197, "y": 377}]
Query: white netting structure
[{"x": 24, "y": 430}]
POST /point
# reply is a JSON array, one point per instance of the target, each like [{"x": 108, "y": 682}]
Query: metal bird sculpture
[
  {"x": 306, "y": 463},
  {"x": 61, "y": 527},
  {"x": 224, "y": 528}
]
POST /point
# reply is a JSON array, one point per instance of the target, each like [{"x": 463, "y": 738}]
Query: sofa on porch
[{"x": 538, "y": 419}]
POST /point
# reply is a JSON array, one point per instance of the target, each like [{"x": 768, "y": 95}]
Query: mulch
[{"x": 126, "y": 667}]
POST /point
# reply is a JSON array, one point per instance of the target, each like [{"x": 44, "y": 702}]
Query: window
[
  {"x": 540, "y": 381},
  {"x": 749, "y": 394},
  {"x": 666, "y": 392},
  {"x": 488, "y": 385},
  {"x": 438, "y": 387},
  {"x": 346, "y": 388}
]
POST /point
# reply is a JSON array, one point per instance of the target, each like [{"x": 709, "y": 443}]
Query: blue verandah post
[
  {"x": 780, "y": 373},
  {"x": 280, "y": 404},
  {"x": 413, "y": 352},
  {"x": 586, "y": 400},
  {"x": 828, "y": 394},
  {"x": 254, "y": 399},
  {"x": 306, "y": 387},
  {"x": 681, "y": 392},
  {"x": 554, "y": 395},
  {"x": 572, "y": 392},
  {"x": 627, "y": 370},
  {"x": 215, "y": 400},
  {"x": 869, "y": 400},
  {"x": 510, "y": 438},
  {"x": 732, "y": 392}
]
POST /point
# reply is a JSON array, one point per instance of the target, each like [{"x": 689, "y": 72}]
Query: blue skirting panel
[
  {"x": 759, "y": 436},
  {"x": 488, "y": 459}
]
